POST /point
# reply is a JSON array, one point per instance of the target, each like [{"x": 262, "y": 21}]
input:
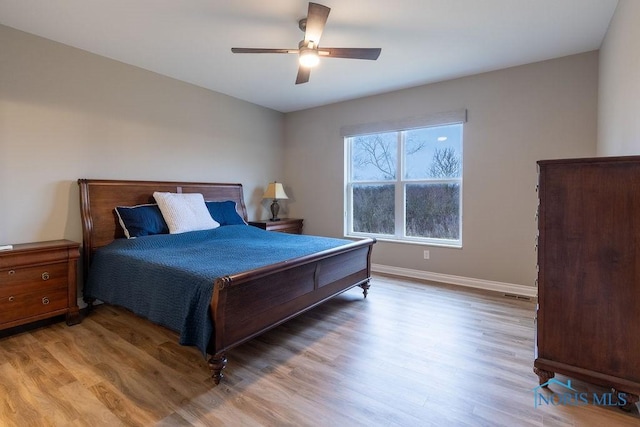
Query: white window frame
[{"x": 400, "y": 126}]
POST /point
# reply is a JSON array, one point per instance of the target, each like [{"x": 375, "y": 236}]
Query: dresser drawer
[
  {"x": 29, "y": 279},
  {"x": 22, "y": 306}
]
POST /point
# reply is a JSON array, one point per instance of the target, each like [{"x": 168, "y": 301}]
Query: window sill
[{"x": 403, "y": 241}]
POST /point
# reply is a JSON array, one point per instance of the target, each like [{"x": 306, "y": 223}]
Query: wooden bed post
[
  {"x": 217, "y": 363},
  {"x": 365, "y": 288},
  {"x": 365, "y": 285}
]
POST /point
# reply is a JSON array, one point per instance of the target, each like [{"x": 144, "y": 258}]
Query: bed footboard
[{"x": 247, "y": 304}]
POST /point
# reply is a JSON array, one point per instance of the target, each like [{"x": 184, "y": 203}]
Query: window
[{"x": 406, "y": 184}]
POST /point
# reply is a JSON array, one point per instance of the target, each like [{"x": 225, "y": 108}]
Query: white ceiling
[{"x": 422, "y": 41}]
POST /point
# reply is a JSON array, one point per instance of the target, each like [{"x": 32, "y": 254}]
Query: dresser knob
[
  {"x": 45, "y": 300},
  {"x": 45, "y": 275},
  {"x": 12, "y": 298},
  {"x": 12, "y": 272}
]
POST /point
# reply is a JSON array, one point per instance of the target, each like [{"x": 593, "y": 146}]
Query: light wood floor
[{"x": 411, "y": 354}]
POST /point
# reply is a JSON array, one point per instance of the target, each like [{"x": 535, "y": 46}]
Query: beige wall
[
  {"x": 516, "y": 117},
  {"x": 619, "y": 94},
  {"x": 67, "y": 114}
]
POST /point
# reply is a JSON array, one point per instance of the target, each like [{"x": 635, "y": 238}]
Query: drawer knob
[
  {"x": 45, "y": 300},
  {"x": 12, "y": 272},
  {"x": 12, "y": 298},
  {"x": 45, "y": 275}
]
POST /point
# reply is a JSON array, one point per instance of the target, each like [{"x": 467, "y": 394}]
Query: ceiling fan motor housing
[{"x": 302, "y": 24}]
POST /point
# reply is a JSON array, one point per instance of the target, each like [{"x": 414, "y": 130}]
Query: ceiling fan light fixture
[{"x": 309, "y": 58}]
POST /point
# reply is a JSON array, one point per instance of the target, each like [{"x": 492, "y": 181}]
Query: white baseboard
[{"x": 505, "y": 288}]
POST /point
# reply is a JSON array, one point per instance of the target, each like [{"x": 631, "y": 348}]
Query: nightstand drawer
[
  {"x": 22, "y": 306},
  {"x": 27, "y": 279},
  {"x": 16, "y": 258}
]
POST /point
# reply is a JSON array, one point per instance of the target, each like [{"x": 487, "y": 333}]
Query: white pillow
[{"x": 184, "y": 212}]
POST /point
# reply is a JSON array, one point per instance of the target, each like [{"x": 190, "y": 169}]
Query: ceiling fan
[{"x": 308, "y": 51}]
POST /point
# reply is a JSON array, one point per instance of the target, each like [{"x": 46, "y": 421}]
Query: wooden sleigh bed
[{"x": 268, "y": 296}]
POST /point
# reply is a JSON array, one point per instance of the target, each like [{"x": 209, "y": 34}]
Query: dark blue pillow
[
  {"x": 225, "y": 212},
  {"x": 141, "y": 220}
]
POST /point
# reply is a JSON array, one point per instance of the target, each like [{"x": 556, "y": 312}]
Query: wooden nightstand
[
  {"x": 38, "y": 281},
  {"x": 285, "y": 225}
]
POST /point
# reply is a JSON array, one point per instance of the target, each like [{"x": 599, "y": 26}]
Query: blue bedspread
[{"x": 168, "y": 278}]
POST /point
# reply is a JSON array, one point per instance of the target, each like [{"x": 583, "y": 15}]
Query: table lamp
[{"x": 275, "y": 191}]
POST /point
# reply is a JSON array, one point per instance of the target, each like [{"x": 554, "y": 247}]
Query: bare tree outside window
[
  {"x": 445, "y": 164},
  {"x": 374, "y": 157},
  {"x": 433, "y": 210},
  {"x": 373, "y": 209}
]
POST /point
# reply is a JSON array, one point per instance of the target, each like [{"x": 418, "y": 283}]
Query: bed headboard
[{"x": 99, "y": 197}]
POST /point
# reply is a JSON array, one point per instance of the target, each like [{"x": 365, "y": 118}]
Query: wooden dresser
[
  {"x": 38, "y": 281},
  {"x": 588, "y": 320},
  {"x": 284, "y": 225}
]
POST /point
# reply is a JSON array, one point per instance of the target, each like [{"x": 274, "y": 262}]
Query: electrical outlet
[{"x": 426, "y": 254}]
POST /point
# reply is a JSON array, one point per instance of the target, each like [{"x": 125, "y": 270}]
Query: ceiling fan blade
[
  {"x": 316, "y": 20},
  {"x": 260, "y": 50},
  {"x": 353, "y": 53},
  {"x": 303, "y": 75}
]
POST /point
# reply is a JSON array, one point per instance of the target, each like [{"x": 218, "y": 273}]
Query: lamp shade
[{"x": 275, "y": 191}]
